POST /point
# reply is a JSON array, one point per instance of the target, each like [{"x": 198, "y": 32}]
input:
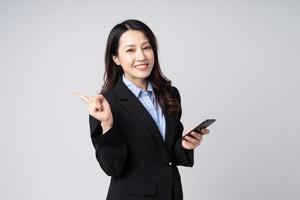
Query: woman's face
[{"x": 135, "y": 55}]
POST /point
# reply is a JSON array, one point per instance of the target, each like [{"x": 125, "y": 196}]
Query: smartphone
[{"x": 201, "y": 126}]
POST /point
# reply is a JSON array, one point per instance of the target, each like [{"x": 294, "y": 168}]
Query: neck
[{"x": 141, "y": 83}]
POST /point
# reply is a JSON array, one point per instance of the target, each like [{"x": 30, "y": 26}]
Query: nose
[{"x": 140, "y": 55}]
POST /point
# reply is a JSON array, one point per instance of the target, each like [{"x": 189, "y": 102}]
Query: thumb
[
  {"x": 100, "y": 97},
  {"x": 187, "y": 130}
]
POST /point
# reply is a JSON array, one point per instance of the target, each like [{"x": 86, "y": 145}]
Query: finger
[
  {"x": 94, "y": 108},
  {"x": 187, "y": 145},
  {"x": 93, "y": 100},
  {"x": 205, "y": 131},
  {"x": 192, "y": 140},
  {"x": 96, "y": 105},
  {"x": 196, "y": 135},
  {"x": 82, "y": 96},
  {"x": 98, "y": 108},
  {"x": 100, "y": 97},
  {"x": 189, "y": 130}
]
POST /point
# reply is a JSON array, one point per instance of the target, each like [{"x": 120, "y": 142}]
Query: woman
[{"x": 135, "y": 121}]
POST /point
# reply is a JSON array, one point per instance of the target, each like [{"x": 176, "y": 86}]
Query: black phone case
[{"x": 201, "y": 126}]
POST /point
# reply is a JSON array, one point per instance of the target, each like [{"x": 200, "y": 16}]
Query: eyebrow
[{"x": 131, "y": 45}]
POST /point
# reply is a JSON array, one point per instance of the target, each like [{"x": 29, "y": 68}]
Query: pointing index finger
[{"x": 83, "y": 97}]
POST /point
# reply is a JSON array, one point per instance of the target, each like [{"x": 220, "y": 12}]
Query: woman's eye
[
  {"x": 147, "y": 47},
  {"x": 129, "y": 50}
]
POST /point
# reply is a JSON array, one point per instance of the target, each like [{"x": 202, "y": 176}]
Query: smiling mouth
[{"x": 141, "y": 65}]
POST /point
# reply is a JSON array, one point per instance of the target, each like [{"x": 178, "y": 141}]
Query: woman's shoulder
[
  {"x": 109, "y": 94},
  {"x": 175, "y": 93}
]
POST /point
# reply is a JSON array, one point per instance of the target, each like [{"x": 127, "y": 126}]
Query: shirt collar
[{"x": 136, "y": 90}]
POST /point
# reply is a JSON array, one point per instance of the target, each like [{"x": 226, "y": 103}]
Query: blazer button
[{"x": 169, "y": 162}]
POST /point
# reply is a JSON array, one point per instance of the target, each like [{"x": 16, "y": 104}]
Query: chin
[{"x": 144, "y": 74}]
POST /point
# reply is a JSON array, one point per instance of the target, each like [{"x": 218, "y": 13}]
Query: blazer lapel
[{"x": 133, "y": 106}]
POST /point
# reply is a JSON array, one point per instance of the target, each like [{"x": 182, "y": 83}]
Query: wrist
[{"x": 106, "y": 126}]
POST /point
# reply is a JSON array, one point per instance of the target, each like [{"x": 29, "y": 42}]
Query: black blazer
[{"x": 133, "y": 153}]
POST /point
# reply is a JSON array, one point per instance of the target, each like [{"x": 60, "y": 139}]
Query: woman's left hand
[{"x": 191, "y": 142}]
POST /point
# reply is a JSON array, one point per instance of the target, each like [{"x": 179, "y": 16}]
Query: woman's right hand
[{"x": 99, "y": 108}]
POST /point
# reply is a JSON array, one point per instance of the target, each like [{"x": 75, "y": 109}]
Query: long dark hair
[{"x": 161, "y": 84}]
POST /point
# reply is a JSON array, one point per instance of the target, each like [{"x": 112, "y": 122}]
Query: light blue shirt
[{"x": 147, "y": 98}]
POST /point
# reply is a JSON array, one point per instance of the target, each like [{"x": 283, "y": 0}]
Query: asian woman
[{"x": 135, "y": 121}]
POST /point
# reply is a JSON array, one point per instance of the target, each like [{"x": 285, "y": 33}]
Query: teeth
[{"x": 144, "y": 65}]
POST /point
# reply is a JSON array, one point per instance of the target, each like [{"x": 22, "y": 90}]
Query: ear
[{"x": 116, "y": 60}]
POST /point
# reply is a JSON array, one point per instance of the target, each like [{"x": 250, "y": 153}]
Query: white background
[{"x": 236, "y": 61}]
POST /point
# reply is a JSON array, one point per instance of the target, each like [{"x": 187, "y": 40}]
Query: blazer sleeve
[
  {"x": 110, "y": 148},
  {"x": 183, "y": 156}
]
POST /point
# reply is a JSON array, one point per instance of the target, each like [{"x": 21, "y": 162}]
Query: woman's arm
[
  {"x": 183, "y": 156},
  {"x": 110, "y": 148}
]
